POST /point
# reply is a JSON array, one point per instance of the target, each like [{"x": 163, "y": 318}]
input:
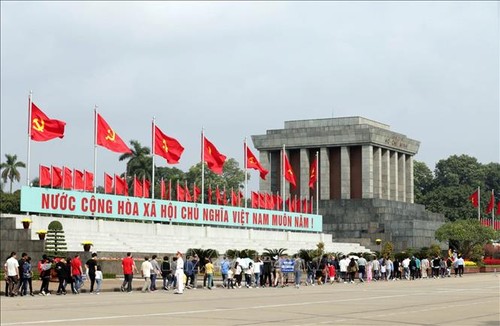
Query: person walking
[
  {"x": 155, "y": 272},
  {"x": 179, "y": 273},
  {"x": 166, "y": 272},
  {"x": 12, "y": 272},
  {"x": 62, "y": 274},
  {"x": 209, "y": 270},
  {"x": 298, "y": 268},
  {"x": 224, "y": 269},
  {"x": 146, "y": 268},
  {"x": 91, "y": 267},
  {"x": 128, "y": 267},
  {"x": 27, "y": 277},
  {"x": 98, "y": 279},
  {"x": 77, "y": 272}
]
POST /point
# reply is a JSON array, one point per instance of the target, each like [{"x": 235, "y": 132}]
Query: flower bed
[{"x": 491, "y": 261}]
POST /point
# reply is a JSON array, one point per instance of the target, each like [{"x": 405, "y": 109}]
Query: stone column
[
  {"x": 345, "y": 172},
  {"x": 265, "y": 185},
  {"x": 386, "y": 174},
  {"x": 367, "y": 171},
  {"x": 377, "y": 172},
  {"x": 394, "y": 175},
  {"x": 305, "y": 162},
  {"x": 324, "y": 176},
  {"x": 401, "y": 177},
  {"x": 409, "y": 179}
]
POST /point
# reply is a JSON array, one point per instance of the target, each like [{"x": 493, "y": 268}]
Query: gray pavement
[{"x": 471, "y": 300}]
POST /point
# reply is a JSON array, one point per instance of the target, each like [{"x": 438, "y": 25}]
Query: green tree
[
  {"x": 55, "y": 245},
  {"x": 464, "y": 235},
  {"x": 10, "y": 169},
  {"x": 455, "y": 179},
  {"x": 139, "y": 161},
  {"x": 273, "y": 252},
  {"x": 423, "y": 179},
  {"x": 10, "y": 203}
]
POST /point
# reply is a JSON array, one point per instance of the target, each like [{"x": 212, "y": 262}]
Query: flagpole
[
  {"x": 283, "y": 174},
  {"x": 246, "y": 171},
  {"x": 95, "y": 147},
  {"x": 479, "y": 203},
  {"x": 493, "y": 209},
  {"x": 29, "y": 139},
  {"x": 317, "y": 183},
  {"x": 153, "y": 165},
  {"x": 202, "y": 166}
]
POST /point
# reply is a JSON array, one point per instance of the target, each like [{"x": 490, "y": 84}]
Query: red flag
[
  {"x": 224, "y": 197},
  {"x": 43, "y": 128},
  {"x": 498, "y": 208},
  {"x": 218, "y": 196},
  {"x": 279, "y": 202},
  {"x": 262, "y": 200},
  {"x": 311, "y": 206},
  {"x": 240, "y": 196},
  {"x": 474, "y": 198},
  {"x": 255, "y": 199},
  {"x": 108, "y": 184},
  {"x": 44, "y": 178},
  {"x": 491, "y": 204},
  {"x": 89, "y": 181},
  {"x": 253, "y": 163},
  {"x": 146, "y": 188},
  {"x": 181, "y": 193},
  {"x": 234, "y": 198},
  {"x": 68, "y": 178},
  {"x": 289, "y": 175},
  {"x": 57, "y": 177},
  {"x": 313, "y": 174},
  {"x": 209, "y": 194},
  {"x": 304, "y": 205},
  {"x": 108, "y": 138},
  {"x": 120, "y": 185},
  {"x": 169, "y": 194},
  {"x": 196, "y": 193},
  {"x": 167, "y": 147},
  {"x": 187, "y": 194},
  {"x": 138, "y": 191},
  {"x": 211, "y": 155},
  {"x": 79, "y": 182},
  {"x": 162, "y": 189}
]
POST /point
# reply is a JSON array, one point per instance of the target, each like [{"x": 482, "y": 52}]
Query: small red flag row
[{"x": 65, "y": 178}]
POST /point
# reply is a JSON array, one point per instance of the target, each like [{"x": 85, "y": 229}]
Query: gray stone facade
[
  {"x": 365, "y": 178},
  {"x": 18, "y": 240}
]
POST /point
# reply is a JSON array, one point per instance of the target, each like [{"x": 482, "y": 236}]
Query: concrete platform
[{"x": 471, "y": 300}]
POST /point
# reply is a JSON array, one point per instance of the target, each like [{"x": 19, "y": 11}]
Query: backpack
[{"x": 26, "y": 270}]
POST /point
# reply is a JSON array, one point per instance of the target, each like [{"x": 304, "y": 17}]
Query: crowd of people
[
  {"x": 181, "y": 273},
  {"x": 69, "y": 272}
]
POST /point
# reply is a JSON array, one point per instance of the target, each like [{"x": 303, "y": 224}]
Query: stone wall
[
  {"x": 364, "y": 220},
  {"x": 18, "y": 240}
]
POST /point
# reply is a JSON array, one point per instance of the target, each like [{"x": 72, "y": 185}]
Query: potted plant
[
  {"x": 41, "y": 234},
  {"x": 86, "y": 245},
  {"x": 26, "y": 222}
]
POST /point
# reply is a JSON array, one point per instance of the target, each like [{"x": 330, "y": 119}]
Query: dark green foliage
[
  {"x": 55, "y": 244},
  {"x": 10, "y": 203},
  {"x": 454, "y": 180},
  {"x": 273, "y": 252},
  {"x": 10, "y": 169}
]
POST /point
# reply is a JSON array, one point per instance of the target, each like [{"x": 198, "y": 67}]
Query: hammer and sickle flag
[
  {"x": 289, "y": 175},
  {"x": 107, "y": 137},
  {"x": 253, "y": 163},
  {"x": 43, "y": 128},
  {"x": 167, "y": 147},
  {"x": 211, "y": 155}
]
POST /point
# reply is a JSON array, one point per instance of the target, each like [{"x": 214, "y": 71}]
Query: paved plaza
[{"x": 471, "y": 300}]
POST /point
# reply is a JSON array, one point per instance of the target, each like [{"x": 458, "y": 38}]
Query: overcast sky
[{"x": 429, "y": 70}]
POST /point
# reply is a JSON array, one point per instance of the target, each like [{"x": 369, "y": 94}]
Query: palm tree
[
  {"x": 10, "y": 169},
  {"x": 139, "y": 161}
]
